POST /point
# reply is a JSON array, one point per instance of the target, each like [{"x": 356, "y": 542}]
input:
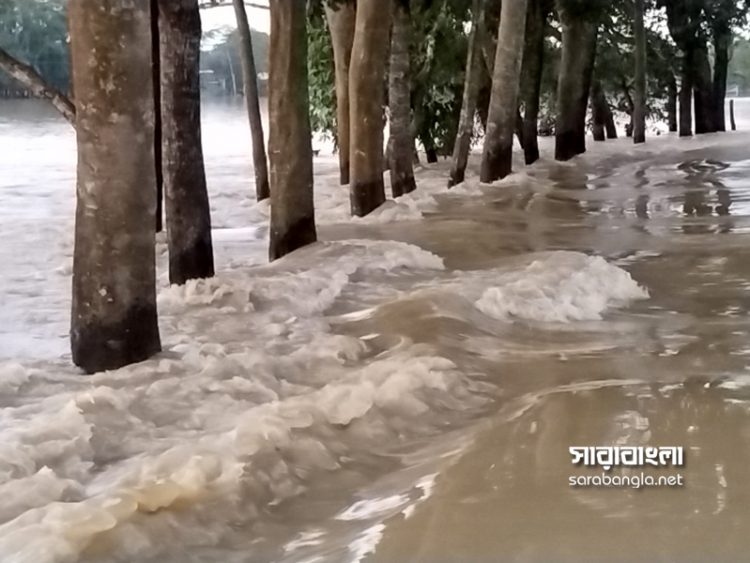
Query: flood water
[{"x": 406, "y": 390}]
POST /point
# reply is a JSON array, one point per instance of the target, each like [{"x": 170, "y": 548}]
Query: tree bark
[
  {"x": 686, "y": 98},
  {"x": 497, "y": 155},
  {"x": 639, "y": 109},
  {"x": 156, "y": 78},
  {"x": 703, "y": 92},
  {"x": 187, "y": 210},
  {"x": 598, "y": 111},
  {"x": 672, "y": 103},
  {"x": 114, "y": 320},
  {"x": 32, "y": 81},
  {"x": 574, "y": 81},
  {"x": 366, "y": 76},
  {"x": 399, "y": 94},
  {"x": 290, "y": 135},
  {"x": 722, "y": 43},
  {"x": 462, "y": 145},
  {"x": 252, "y": 100},
  {"x": 341, "y": 22},
  {"x": 531, "y": 76},
  {"x": 609, "y": 121}
]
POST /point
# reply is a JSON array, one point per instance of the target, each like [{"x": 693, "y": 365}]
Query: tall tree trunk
[
  {"x": 187, "y": 209},
  {"x": 36, "y": 85},
  {"x": 366, "y": 74},
  {"x": 722, "y": 43},
  {"x": 114, "y": 320},
  {"x": 252, "y": 100},
  {"x": 703, "y": 92},
  {"x": 156, "y": 78},
  {"x": 574, "y": 81},
  {"x": 598, "y": 110},
  {"x": 462, "y": 145},
  {"x": 399, "y": 94},
  {"x": 497, "y": 155},
  {"x": 341, "y": 19},
  {"x": 531, "y": 76},
  {"x": 639, "y": 109},
  {"x": 290, "y": 139},
  {"x": 686, "y": 99},
  {"x": 672, "y": 103},
  {"x": 732, "y": 124},
  {"x": 609, "y": 121}
]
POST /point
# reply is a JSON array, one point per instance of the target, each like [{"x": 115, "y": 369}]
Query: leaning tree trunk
[
  {"x": 703, "y": 92},
  {"x": 574, "y": 81},
  {"x": 36, "y": 85},
  {"x": 497, "y": 155},
  {"x": 250, "y": 88},
  {"x": 341, "y": 19},
  {"x": 672, "y": 103},
  {"x": 462, "y": 145},
  {"x": 531, "y": 76},
  {"x": 366, "y": 74},
  {"x": 598, "y": 111},
  {"x": 187, "y": 210},
  {"x": 114, "y": 320},
  {"x": 290, "y": 136},
  {"x": 639, "y": 109},
  {"x": 399, "y": 94},
  {"x": 722, "y": 43}
]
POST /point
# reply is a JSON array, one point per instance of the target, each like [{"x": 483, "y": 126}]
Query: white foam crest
[
  {"x": 233, "y": 446},
  {"x": 561, "y": 287},
  {"x": 320, "y": 274}
]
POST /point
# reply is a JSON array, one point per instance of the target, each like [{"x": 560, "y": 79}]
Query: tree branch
[{"x": 34, "y": 83}]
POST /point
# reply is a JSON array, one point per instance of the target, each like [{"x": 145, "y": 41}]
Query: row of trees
[{"x": 137, "y": 116}]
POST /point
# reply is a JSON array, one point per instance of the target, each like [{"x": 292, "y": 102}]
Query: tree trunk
[
  {"x": 366, "y": 74},
  {"x": 686, "y": 96},
  {"x": 35, "y": 84},
  {"x": 114, "y": 320},
  {"x": 187, "y": 210},
  {"x": 722, "y": 43},
  {"x": 531, "y": 76},
  {"x": 250, "y": 88},
  {"x": 156, "y": 78},
  {"x": 341, "y": 24},
  {"x": 290, "y": 138},
  {"x": 574, "y": 81},
  {"x": 672, "y": 103},
  {"x": 639, "y": 109},
  {"x": 598, "y": 111},
  {"x": 497, "y": 155},
  {"x": 462, "y": 145},
  {"x": 609, "y": 121},
  {"x": 399, "y": 94},
  {"x": 703, "y": 90},
  {"x": 732, "y": 124}
]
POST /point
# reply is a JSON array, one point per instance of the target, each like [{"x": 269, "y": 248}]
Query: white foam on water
[{"x": 561, "y": 287}]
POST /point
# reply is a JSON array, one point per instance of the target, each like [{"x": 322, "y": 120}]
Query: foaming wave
[{"x": 560, "y": 287}]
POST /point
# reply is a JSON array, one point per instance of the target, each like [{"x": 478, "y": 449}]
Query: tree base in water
[{"x": 99, "y": 346}]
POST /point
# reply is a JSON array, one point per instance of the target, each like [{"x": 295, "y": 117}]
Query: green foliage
[
  {"x": 438, "y": 54},
  {"x": 321, "y": 76}
]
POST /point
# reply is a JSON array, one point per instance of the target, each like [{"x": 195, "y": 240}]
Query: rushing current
[{"x": 404, "y": 390}]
